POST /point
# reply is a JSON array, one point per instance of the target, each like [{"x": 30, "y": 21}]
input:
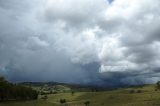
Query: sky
[{"x": 99, "y": 42}]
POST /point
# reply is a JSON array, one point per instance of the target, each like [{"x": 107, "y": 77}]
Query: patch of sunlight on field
[
  {"x": 120, "y": 97},
  {"x": 68, "y": 96}
]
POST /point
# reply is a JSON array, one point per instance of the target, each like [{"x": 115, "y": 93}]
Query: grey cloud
[
  {"x": 76, "y": 14},
  {"x": 95, "y": 42}
]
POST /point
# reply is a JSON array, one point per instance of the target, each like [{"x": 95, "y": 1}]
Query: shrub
[
  {"x": 87, "y": 103},
  {"x": 139, "y": 91},
  {"x": 72, "y": 93},
  {"x": 132, "y": 91},
  {"x": 158, "y": 85},
  {"x": 62, "y": 101}
]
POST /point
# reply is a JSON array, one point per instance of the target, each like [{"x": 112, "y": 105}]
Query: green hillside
[
  {"x": 135, "y": 96},
  {"x": 54, "y": 87}
]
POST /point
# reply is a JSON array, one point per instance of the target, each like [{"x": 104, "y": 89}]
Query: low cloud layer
[{"x": 97, "y": 42}]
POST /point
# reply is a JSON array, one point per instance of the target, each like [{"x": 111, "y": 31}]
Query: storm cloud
[{"x": 97, "y": 42}]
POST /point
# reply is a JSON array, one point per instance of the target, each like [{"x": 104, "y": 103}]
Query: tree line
[{"x": 9, "y": 91}]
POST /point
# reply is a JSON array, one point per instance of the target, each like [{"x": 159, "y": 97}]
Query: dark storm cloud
[
  {"x": 94, "y": 42},
  {"x": 26, "y": 55}
]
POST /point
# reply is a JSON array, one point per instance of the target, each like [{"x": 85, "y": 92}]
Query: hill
[
  {"x": 146, "y": 95},
  {"x": 13, "y": 92},
  {"x": 55, "y": 87}
]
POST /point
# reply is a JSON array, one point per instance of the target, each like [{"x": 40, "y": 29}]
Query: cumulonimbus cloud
[{"x": 99, "y": 41}]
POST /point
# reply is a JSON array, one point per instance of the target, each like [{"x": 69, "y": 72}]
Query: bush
[
  {"x": 73, "y": 93},
  {"x": 87, "y": 103},
  {"x": 158, "y": 85},
  {"x": 62, "y": 101},
  {"x": 139, "y": 91},
  {"x": 132, "y": 91}
]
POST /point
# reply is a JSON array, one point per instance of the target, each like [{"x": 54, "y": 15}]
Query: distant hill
[{"x": 55, "y": 87}]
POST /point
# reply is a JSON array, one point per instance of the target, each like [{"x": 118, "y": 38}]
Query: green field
[{"x": 137, "y": 96}]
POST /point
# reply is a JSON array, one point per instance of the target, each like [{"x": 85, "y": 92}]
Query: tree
[
  {"x": 132, "y": 91},
  {"x": 158, "y": 85},
  {"x": 9, "y": 91},
  {"x": 139, "y": 91},
  {"x": 62, "y": 101},
  {"x": 87, "y": 103},
  {"x": 72, "y": 93}
]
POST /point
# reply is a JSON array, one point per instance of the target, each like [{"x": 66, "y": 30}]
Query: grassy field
[{"x": 137, "y": 96}]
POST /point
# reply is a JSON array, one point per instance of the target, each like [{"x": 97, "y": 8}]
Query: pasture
[{"x": 136, "y": 96}]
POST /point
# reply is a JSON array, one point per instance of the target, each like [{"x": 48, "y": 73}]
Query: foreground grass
[
  {"x": 121, "y": 97},
  {"x": 28, "y": 103}
]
